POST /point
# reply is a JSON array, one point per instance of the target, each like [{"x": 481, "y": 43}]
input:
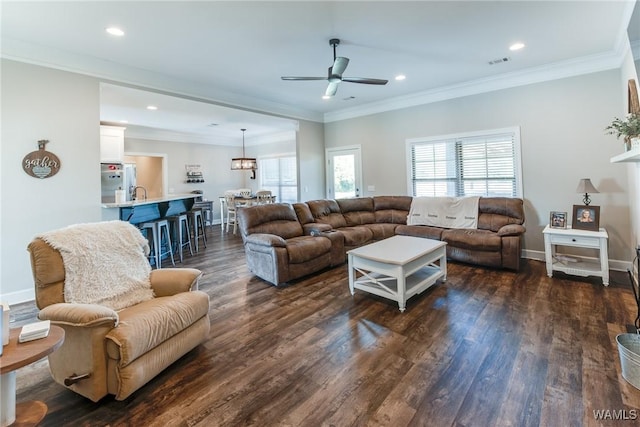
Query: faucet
[{"x": 134, "y": 191}]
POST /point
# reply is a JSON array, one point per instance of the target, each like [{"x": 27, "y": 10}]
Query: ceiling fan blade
[
  {"x": 365, "y": 80},
  {"x": 302, "y": 78},
  {"x": 339, "y": 65},
  {"x": 332, "y": 88}
]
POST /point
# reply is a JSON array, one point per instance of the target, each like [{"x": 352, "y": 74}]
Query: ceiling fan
[{"x": 335, "y": 73}]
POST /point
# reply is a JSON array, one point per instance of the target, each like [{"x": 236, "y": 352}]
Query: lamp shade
[{"x": 585, "y": 186}]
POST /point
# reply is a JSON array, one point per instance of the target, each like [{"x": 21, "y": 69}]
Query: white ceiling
[{"x": 234, "y": 52}]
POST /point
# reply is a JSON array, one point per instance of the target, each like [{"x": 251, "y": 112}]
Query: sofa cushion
[
  {"x": 479, "y": 240},
  {"x": 496, "y": 212},
  {"x": 145, "y": 325},
  {"x": 303, "y": 213},
  {"x": 273, "y": 218},
  {"x": 305, "y": 248},
  {"x": 425, "y": 231},
  {"x": 358, "y": 211},
  {"x": 392, "y": 209},
  {"x": 327, "y": 212},
  {"x": 356, "y": 236}
]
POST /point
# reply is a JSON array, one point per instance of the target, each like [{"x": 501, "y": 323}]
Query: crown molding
[
  {"x": 559, "y": 70},
  {"x": 117, "y": 73},
  {"x": 569, "y": 68},
  {"x": 108, "y": 71}
]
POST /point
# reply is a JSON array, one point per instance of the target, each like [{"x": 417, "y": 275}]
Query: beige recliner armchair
[{"x": 117, "y": 351}]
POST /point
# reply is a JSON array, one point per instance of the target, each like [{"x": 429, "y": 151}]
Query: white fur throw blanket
[
  {"x": 447, "y": 212},
  {"x": 105, "y": 263}
]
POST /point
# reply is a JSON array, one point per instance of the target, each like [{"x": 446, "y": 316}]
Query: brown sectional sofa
[{"x": 284, "y": 242}]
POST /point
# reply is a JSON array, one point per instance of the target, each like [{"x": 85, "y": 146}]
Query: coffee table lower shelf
[{"x": 387, "y": 286}]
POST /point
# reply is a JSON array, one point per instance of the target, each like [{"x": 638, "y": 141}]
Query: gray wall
[
  {"x": 562, "y": 138},
  {"x": 40, "y": 103}
]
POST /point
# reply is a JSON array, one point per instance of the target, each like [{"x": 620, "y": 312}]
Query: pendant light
[{"x": 244, "y": 163}]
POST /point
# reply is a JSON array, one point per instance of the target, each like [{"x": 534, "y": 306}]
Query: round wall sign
[{"x": 41, "y": 163}]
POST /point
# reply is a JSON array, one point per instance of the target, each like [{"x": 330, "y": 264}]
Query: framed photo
[
  {"x": 558, "y": 220},
  {"x": 586, "y": 217}
]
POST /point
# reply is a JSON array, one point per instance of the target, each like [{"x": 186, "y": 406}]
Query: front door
[{"x": 344, "y": 172}]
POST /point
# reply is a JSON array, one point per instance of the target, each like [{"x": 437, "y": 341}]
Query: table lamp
[{"x": 585, "y": 186}]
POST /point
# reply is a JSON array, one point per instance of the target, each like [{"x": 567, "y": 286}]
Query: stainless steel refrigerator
[{"x": 117, "y": 176}]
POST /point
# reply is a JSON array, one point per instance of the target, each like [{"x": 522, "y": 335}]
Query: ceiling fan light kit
[{"x": 334, "y": 74}]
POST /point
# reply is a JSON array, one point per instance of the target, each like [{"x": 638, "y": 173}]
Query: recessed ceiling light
[
  {"x": 151, "y": 107},
  {"x": 400, "y": 77},
  {"x": 516, "y": 46},
  {"x": 115, "y": 31},
  {"x": 124, "y": 121},
  {"x": 326, "y": 97}
]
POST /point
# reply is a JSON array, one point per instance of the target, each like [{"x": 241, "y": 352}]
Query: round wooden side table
[{"x": 14, "y": 356}]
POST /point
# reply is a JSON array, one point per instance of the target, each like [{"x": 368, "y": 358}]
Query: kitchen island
[{"x": 138, "y": 211}]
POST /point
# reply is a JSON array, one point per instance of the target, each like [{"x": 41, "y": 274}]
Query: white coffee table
[{"x": 398, "y": 267}]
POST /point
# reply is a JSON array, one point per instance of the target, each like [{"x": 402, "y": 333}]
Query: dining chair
[
  {"x": 244, "y": 192},
  {"x": 230, "y": 201},
  {"x": 263, "y": 197}
]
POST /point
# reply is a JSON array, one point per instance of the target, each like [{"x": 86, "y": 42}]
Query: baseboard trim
[{"x": 614, "y": 264}]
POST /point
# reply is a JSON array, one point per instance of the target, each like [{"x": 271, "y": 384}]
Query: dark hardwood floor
[{"x": 486, "y": 348}]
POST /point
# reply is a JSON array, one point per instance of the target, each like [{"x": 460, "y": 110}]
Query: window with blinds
[
  {"x": 481, "y": 164},
  {"x": 280, "y": 176}
]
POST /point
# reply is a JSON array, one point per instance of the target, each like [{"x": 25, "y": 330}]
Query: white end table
[{"x": 579, "y": 239}]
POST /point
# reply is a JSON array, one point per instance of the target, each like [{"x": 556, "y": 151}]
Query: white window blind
[
  {"x": 471, "y": 165},
  {"x": 280, "y": 176}
]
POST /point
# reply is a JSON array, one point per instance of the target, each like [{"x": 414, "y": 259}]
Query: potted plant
[{"x": 628, "y": 128}]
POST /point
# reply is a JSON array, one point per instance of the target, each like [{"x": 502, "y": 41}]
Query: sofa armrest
[
  {"x": 316, "y": 229},
  {"x": 262, "y": 239},
  {"x": 82, "y": 315},
  {"x": 171, "y": 281},
  {"x": 511, "y": 230}
]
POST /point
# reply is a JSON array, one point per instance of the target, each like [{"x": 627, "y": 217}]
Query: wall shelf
[{"x": 632, "y": 155}]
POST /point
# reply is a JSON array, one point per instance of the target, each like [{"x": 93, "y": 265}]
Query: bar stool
[
  {"x": 180, "y": 227},
  {"x": 197, "y": 226},
  {"x": 154, "y": 230}
]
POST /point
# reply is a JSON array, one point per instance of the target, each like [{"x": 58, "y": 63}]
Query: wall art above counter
[{"x": 194, "y": 174}]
